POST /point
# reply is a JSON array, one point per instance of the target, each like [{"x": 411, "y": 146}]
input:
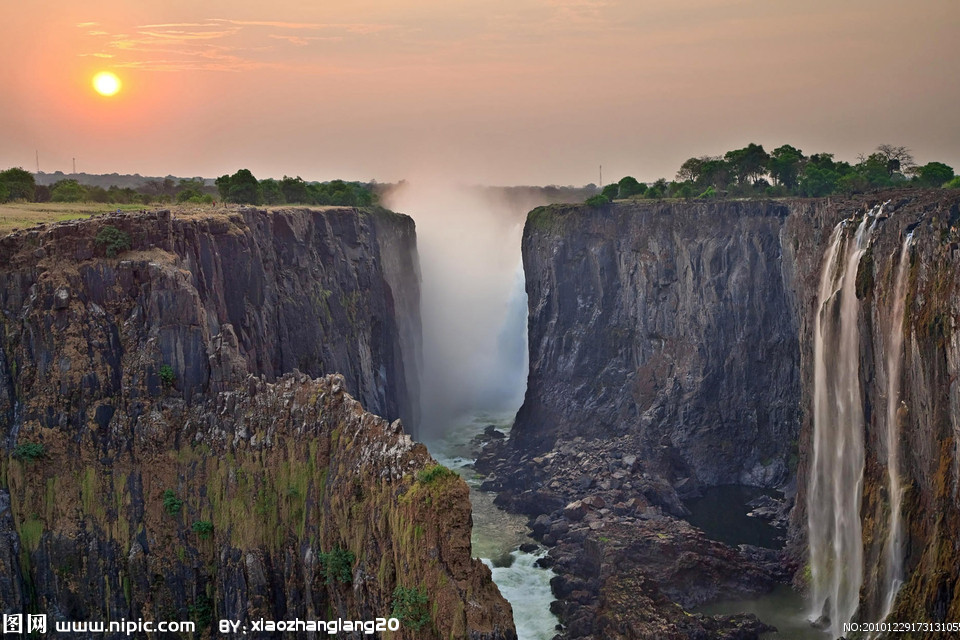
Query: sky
[{"x": 474, "y": 91}]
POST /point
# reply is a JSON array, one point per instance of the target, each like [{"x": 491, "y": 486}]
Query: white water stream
[
  {"x": 498, "y": 534},
  {"x": 833, "y": 501},
  {"x": 893, "y": 552}
]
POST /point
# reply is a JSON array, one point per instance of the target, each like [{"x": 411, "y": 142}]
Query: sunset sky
[{"x": 494, "y": 91}]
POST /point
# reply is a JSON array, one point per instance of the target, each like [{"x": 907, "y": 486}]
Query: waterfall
[
  {"x": 893, "y": 552},
  {"x": 833, "y": 502}
]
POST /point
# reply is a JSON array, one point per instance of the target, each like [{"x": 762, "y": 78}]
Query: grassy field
[{"x": 20, "y": 215}]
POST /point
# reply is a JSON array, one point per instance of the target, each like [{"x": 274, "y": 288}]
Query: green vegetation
[
  {"x": 171, "y": 503},
  {"x": 411, "y": 607},
  {"x": 29, "y": 451},
  {"x": 167, "y": 377},
  {"x": 113, "y": 239},
  {"x": 201, "y": 612},
  {"x": 598, "y": 200},
  {"x": 337, "y": 566},
  {"x": 435, "y": 473},
  {"x": 752, "y": 172},
  {"x": 243, "y": 188},
  {"x": 203, "y": 529},
  {"x": 17, "y": 184}
]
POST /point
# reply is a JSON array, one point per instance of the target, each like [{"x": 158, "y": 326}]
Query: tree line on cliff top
[
  {"x": 786, "y": 171},
  {"x": 241, "y": 187}
]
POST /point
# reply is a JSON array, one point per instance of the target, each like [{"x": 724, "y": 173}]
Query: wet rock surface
[
  {"x": 670, "y": 351},
  {"x": 169, "y": 452}
]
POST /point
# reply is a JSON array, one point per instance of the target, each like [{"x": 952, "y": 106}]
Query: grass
[{"x": 20, "y": 215}]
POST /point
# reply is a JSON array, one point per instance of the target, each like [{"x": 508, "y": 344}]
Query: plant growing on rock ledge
[
  {"x": 435, "y": 473},
  {"x": 337, "y": 565},
  {"x": 167, "y": 376},
  {"x": 411, "y": 607},
  {"x": 203, "y": 529},
  {"x": 171, "y": 503},
  {"x": 29, "y": 451},
  {"x": 113, "y": 239}
]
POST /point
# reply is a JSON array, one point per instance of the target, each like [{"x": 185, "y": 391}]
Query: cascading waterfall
[
  {"x": 893, "y": 552},
  {"x": 833, "y": 507}
]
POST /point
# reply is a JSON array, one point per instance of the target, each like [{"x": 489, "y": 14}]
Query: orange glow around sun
[{"x": 106, "y": 83}]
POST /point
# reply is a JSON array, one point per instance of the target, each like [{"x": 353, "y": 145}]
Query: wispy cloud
[{"x": 218, "y": 44}]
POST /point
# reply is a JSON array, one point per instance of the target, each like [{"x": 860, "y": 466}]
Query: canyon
[
  {"x": 181, "y": 438},
  {"x": 674, "y": 348}
]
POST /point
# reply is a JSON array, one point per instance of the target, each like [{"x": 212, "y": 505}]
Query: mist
[{"x": 473, "y": 303}]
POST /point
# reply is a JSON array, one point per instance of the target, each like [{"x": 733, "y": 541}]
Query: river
[{"x": 498, "y": 534}]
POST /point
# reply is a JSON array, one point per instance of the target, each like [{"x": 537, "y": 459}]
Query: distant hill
[{"x": 107, "y": 180}]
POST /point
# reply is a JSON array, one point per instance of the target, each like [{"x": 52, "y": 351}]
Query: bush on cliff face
[
  {"x": 337, "y": 565},
  {"x": 597, "y": 200},
  {"x": 411, "y": 607},
  {"x": 171, "y": 503},
  {"x": 28, "y": 451},
  {"x": 167, "y": 377},
  {"x": 113, "y": 239},
  {"x": 203, "y": 529},
  {"x": 435, "y": 473}
]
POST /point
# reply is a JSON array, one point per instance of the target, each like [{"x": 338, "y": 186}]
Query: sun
[{"x": 106, "y": 83}]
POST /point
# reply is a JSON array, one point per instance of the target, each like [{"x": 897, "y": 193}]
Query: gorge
[{"x": 802, "y": 346}]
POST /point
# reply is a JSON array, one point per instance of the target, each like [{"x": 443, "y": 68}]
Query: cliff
[
  {"x": 672, "y": 348},
  {"x": 214, "y": 297},
  {"x": 170, "y": 453},
  {"x": 673, "y": 325}
]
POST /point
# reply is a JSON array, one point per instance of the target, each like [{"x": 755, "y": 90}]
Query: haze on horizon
[{"x": 492, "y": 91}]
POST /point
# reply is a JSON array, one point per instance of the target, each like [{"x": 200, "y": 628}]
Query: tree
[
  {"x": 715, "y": 172},
  {"x": 629, "y": 186},
  {"x": 610, "y": 191},
  {"x": 223, "y": 186},
  {"x": 748, "y": 163},
  {"x": 785, "y": 164},
  {"x": 241, "y": 188},
  {"x": 898, "y": 159},
  {"x": 67, "y": 191},
  {"x": 270, "y": 189},
  {"x": 19, "y": 183},
  {"x": 934, "y": 174},
  {"x": 293, "y": 189},
  {"x": 692, "y": 169}
]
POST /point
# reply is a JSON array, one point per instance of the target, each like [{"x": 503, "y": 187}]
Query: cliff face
[
  {"x": 165, "y": 459},
  {"x": 672, "y": 347},
  {"x": 214, "y": 298},
  {"x": 671, "y": 324},
  {"x": 238, "y": 507}
]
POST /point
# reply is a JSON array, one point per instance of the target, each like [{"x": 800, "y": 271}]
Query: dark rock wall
[
  {"x": 672, "y": 323},
  {"x": 173, "y": 367},
  {"x": 268, "y": 478},
  {"x": 215, "y": 298},
  {"x": 684, "y": 333}
]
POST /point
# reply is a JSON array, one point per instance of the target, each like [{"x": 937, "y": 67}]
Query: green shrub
[
  {"x": 167, "y": 376},
  {"x": 597, "y": 200},
  {"x": 411, "y": 607},
  {"x": 201, "y": 612},
  {"x": 29, "y": 451},
  {"x": 113, "y": 239},
  {"x": 337, "y": 565},
  {"x": 203, "y": 528},
  {"x": 953, "y": 184},
  {"x": 171, "y": 503},
  {"x": 435, "y": 473}
]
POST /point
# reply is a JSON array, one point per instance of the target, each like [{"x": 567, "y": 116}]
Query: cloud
[
  {"x": 353, "y": 27},
  {"x": 217, "y": 44}
]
